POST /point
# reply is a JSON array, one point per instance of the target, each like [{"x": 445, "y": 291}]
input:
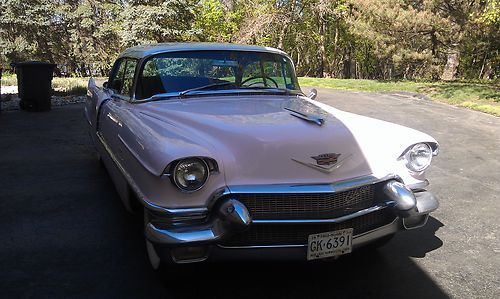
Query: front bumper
[{"x": 232, "y": 217}]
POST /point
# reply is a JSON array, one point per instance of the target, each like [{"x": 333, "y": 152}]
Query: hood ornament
[{"x": 325, "y": 162}]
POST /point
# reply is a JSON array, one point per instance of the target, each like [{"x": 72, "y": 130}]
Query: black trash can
[{"x": 34, "y": 81}]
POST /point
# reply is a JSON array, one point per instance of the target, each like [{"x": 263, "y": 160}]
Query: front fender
[{"x": 382, "y": 143}]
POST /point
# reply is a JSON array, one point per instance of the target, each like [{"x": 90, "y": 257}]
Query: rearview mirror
[{"x": 313, "y": 94}]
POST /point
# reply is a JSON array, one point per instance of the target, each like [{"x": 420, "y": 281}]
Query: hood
[{"x": 255, "y": 140}]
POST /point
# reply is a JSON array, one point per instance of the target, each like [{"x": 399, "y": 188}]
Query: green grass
[
  {"x": 479, "y": 96},
  {"x": 61, "y": 86},
  {"x": 9, "y": 80},
  {"x": 70, "y": 86}
]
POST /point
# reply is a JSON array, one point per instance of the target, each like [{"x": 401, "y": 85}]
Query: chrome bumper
[{"x": 231, "y": 217}]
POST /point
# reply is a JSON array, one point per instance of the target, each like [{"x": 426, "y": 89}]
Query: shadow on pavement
[
  {"x": 64, "y": 233},
  {"x": 388, "y": 273}
]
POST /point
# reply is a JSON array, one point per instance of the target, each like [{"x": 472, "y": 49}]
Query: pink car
[{"x": 228, "y": 159}]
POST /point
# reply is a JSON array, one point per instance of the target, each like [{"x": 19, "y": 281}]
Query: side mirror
[
  {"x": 313, "y": 94},
  {"x": 105, "y": 84}
]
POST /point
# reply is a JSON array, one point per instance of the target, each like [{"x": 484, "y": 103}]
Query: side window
[
  {"x": 128, "y": 78},
  {"x": 123, "y": 78},
  {"x": 116, "y": 81}
]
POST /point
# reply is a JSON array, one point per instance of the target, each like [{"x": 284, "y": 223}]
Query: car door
[{"x": 111, "y": 114}]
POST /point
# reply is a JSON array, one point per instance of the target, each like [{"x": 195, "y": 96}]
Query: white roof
[{"x": 152, "y": 49}]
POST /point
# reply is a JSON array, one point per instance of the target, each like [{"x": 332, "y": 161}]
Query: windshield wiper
[
  {"x": 184, "y": 92},
  {"x": 268, "y": 88}
]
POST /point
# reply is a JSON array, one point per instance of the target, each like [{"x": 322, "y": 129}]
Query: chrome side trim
[
  {"x": 183, "y": 212},
  {"x": 332, "y": 220},
  {"x": 376, "y": 233}
]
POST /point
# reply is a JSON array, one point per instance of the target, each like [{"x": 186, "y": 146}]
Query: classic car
[{"x": 227, "y": 158}]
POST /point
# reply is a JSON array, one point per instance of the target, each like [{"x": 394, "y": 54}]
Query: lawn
[
  {"x": 479, "y": 96},
  {"x": 61, "y": 86}
]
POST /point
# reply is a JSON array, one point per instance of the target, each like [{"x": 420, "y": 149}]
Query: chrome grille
[
  {"x": 297, "y": 234},
  {"x": 308, "y": 205}
]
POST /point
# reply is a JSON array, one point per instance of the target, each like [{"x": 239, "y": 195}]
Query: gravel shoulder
[{"x": 9, "y": 99}]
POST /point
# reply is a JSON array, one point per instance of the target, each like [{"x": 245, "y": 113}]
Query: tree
[
  {"x": 27, "y": 29},
  {"x": 153, "y": 21},
  {"x": 216, "y": 21},
  {"x": 392, "y": 39}
]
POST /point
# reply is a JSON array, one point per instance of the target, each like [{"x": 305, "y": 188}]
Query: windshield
[{"x": 178, "y": 72}]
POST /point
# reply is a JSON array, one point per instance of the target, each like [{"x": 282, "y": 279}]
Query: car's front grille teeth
[
  {"x": 297, "y": 234},
  {"x": 308, "y": 205}
]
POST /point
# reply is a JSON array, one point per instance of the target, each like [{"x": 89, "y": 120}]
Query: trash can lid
[{"x": 34, "y": 63}]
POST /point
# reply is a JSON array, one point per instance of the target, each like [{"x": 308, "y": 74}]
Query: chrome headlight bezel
[
  {"x": 418, "y": 157},
  {"x": 176, "y": 172}
]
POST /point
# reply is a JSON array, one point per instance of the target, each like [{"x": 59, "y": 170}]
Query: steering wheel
[{"x": 261, "y": 77}]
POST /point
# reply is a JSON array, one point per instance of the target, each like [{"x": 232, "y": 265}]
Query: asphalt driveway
[{"x": 64, "y": 233}]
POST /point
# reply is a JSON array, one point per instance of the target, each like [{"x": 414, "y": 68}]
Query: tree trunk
[
  {"x": 322, "y": 51},
  {"x": 487, "y": 71},
  {"x": 281, "y": 38},
  {"x": 228, "y": 4},
  {"x": 289, "y": 20},
  {"x": 347, "y": 63},
  {"x": 451, "y": 67}
]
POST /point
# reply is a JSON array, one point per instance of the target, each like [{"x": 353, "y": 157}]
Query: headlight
[
  {"x": 418, "y": 157},
  {"x": 190, "y": 174}
]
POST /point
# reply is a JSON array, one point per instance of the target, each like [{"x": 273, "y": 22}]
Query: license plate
[{"x": 329, "y": 244}]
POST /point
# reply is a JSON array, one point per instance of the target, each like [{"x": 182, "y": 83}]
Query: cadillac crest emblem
[
  {"x": 326, "y": 163},
  {"x": 326, "y": 159}
]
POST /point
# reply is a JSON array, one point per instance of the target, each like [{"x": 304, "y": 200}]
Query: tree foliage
[{"x": 391, "y": 39}]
